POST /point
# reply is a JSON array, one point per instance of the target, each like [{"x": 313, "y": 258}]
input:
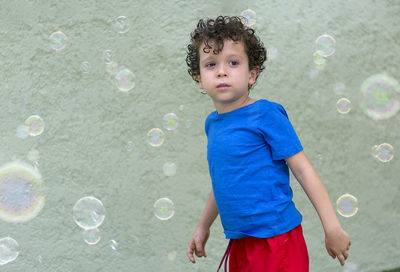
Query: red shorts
[{"x": 282, "y": 253}]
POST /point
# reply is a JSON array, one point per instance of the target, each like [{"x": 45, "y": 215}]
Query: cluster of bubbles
[
  {"x": 164, "y": 207},
  {"x": 123, "y": 78},
  {"x": 89, "y": 213}
]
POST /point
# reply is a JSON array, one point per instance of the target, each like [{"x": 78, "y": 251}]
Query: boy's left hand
[{"x": 337, "y": 244}]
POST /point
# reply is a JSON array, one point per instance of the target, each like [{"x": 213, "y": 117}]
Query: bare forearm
[
  {"x": 316, "y": 192},
  {"x": 210, "y": 212}
]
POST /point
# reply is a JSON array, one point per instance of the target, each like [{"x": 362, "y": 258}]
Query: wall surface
[{"x": 95, "y": 140}]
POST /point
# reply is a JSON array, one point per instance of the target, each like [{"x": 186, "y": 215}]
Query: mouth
[{"x": 222, "y": 86}]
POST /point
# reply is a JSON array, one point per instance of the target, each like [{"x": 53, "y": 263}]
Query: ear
[
  {"x": 253, "y": 75},
  {"x": 198, "y": 78}
]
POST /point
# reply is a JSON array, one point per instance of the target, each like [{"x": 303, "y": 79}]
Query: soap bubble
[
  {"x": 325, "y": 45},
  {"x": 125, "y": 80},
  {"x": 35, "y": 125},
  {"x": 107, "y": 56},
  {"x": 169, "y": 169},
  {"x": 155, "y": 137},
  {"x": 113, "y": 245},
  {"x": 21, "y": 192},
  {"x": 164, "y": 209},
  {"x": 347, "y": 205},
  {"x": 348, "y": 267},
  {"x": 170, "y": 121},
  {"x": 343, "y": 105},
  {"x": 339, "y": 88},
  {"x": 272, "y": 53},
  {"x": 319, "y": 58},
  {"x": 22, "y": 131},
  {"x": 85, "y": 67},
  {"x": 92, "y": 236},
  {"x": 249, "y": 17},
  {"x": 383, "y": 152},
  {"x": 380, "y": 97},
  {"x": 121, "y": 24},
  {"x": 88, "y": 212},
  {"x": 9, "y": 250},
  {"x": 58, "y": 40}
]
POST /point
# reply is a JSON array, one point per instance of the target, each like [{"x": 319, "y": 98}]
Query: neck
[{"x": 224, "y": 108}]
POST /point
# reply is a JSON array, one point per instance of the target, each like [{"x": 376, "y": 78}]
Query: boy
[{"x": 251, "y": 144}]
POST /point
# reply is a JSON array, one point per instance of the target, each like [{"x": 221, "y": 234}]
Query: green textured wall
[{"x": 89, "y": 123}]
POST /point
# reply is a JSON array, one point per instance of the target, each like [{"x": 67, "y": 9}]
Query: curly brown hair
[{"x": 219, "y": 30}]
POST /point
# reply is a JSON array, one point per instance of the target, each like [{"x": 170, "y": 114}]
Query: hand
[
  {"x": 197, "y": 243},
  {"x": 337, "y": 244}
]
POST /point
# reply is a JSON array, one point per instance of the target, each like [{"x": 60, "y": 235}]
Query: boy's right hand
[{"x": 197, "y": 243}]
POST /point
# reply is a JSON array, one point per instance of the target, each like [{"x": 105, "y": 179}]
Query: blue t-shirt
[{"x": 246, "y": 150}]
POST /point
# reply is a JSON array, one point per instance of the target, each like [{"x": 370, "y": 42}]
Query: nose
[{"x": 221, "y": 71}]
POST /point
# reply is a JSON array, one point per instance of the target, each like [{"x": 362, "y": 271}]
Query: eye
[
  {"x": 210, "y": 64},
  {"x": 233, "y": 62}
]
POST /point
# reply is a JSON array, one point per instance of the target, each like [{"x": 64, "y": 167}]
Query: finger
[
  {"x": 346, "y": 254},
  {"x": 331, "y": 253},
  {"x": 199, "y": 249},
  {"x": 189, "y": 253},
  {"x": 341, "y": 259}
]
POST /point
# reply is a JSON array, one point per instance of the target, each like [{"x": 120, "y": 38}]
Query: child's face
[{"x": 225, "y": 76}]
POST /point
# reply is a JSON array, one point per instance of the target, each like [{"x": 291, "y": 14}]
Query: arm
[
  {"x": 202, "y": 232},
  {"x": 337, "y": 241}
]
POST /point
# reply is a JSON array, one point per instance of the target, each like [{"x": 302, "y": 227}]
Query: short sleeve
[{"x": 278, "y": 132}]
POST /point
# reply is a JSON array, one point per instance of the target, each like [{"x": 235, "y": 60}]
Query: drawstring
[{"x": 226, "y": 255}]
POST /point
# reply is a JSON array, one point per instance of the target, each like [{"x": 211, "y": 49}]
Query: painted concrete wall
[{"x": 95, "y": 139}]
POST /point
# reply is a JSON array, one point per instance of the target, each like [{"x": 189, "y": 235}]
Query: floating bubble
[
  {"x": 85, "y": 67},
  {"x": 107, "y": 56},
  {"x": 249, "y": 17},
  {"x": 155, "y": 137},
  {"x": 172, "y": 255},
  {"x": 272, "y": 53},
  {"x": 339, "y": 88},
  {"x": 326, "y": 45},
  {"x": 383, "y": 152},
  {"x": 121, "y": 24},
  {"x": 21, "y": 192},
  {"x": 347, "y": 205},
  {"x": 164, "y": 209},
  {"x": 348, "y": 267},
  {"x": 22, "y": 131},
  {"x": 9, "y": 250},
  {"x": 125, "y": 80},
  {"x": 35, "y": 125},
  {"x": 129, "y": 146},
  {"x": 169, "y": 169},
  {"x": 170, "y": 121},
  {"x": 313, "y": 73},
  {"x": 343, "y": 105},
  {"x": 88, "y": 212},
  {"x": 380, "y": 97},
  {"x": 112, "y": 68},
  {"x": 58, "y": 40},
  {"x": 92, "y": 236},
  {"x": 319, "y": 59},
  {"x": 113, "y": 245},
  {"x": 33, "y": 155},
  {"x": 181, "y": 107}
]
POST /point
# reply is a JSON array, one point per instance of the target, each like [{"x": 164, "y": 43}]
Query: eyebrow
[{"x": 213, "y": 56}]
